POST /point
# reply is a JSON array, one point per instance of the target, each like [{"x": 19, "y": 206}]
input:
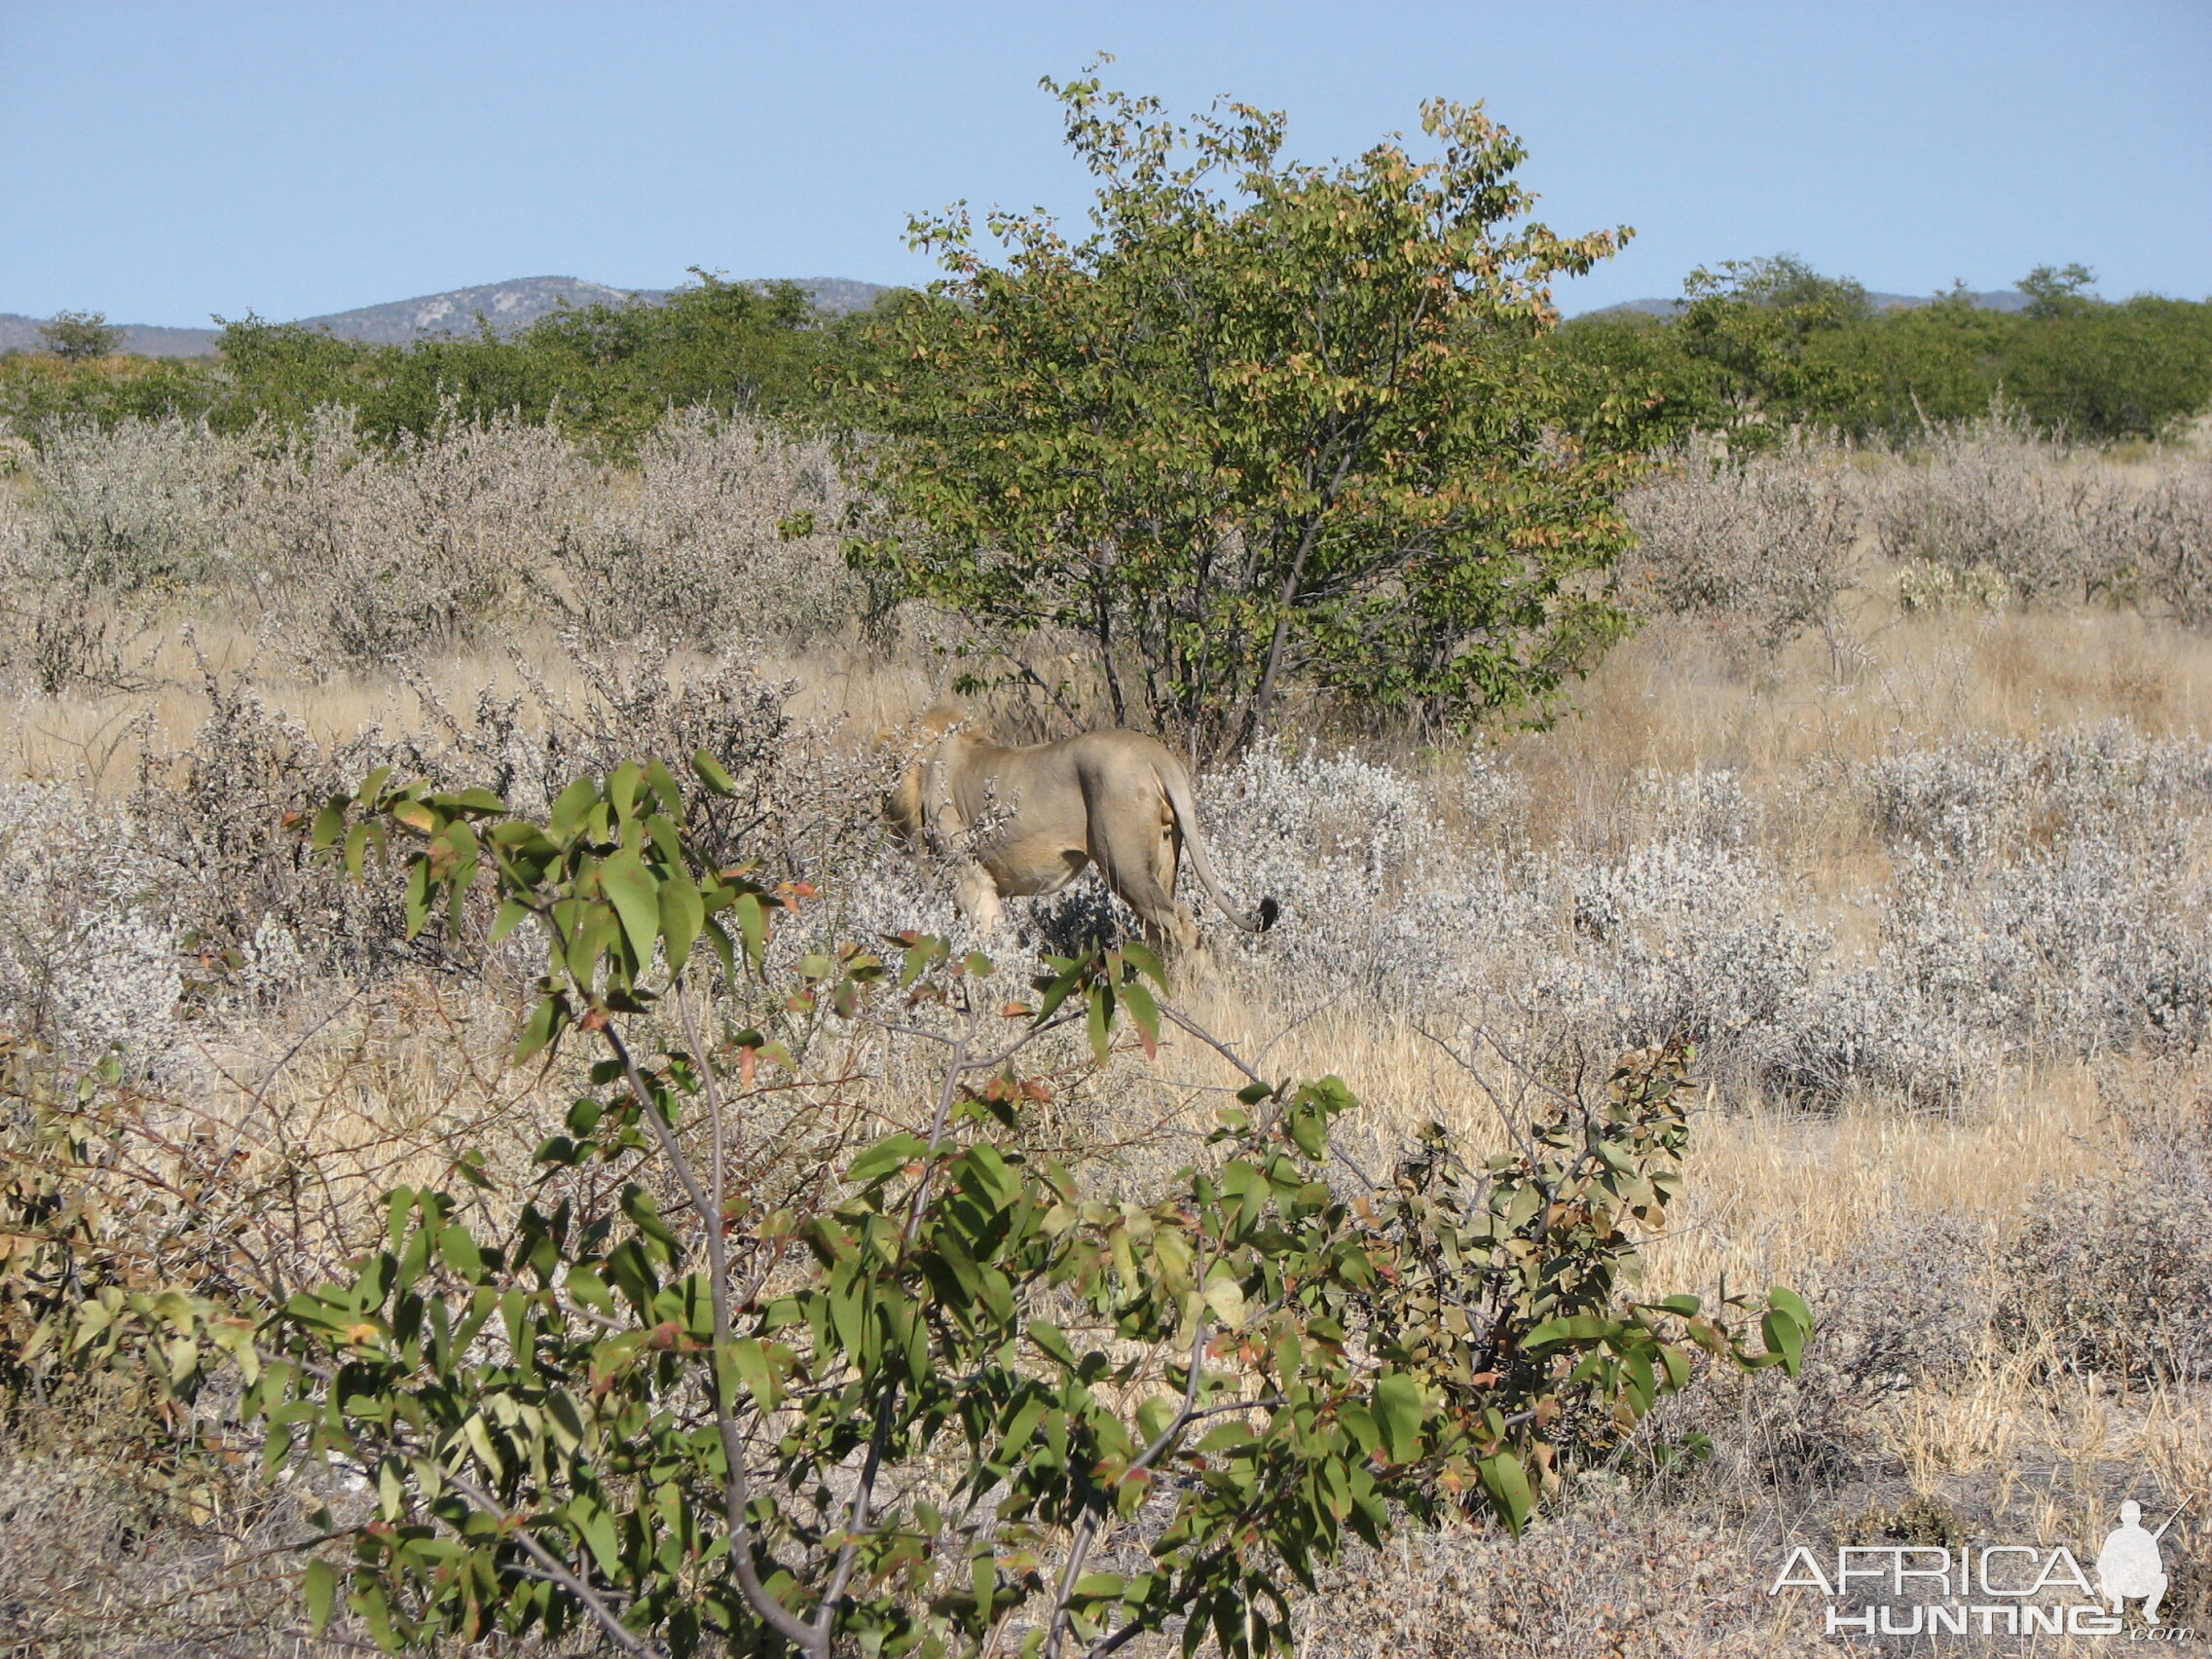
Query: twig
[{"x": 558, "y": 1571}]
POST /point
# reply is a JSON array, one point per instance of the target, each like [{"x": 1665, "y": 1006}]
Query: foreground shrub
[
  {"x": 2115, "y": 1277},
  {"x": 691, "y": 1391}
]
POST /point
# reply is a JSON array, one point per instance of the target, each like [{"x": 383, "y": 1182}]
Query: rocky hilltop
[{"x": 505, "y": 305}]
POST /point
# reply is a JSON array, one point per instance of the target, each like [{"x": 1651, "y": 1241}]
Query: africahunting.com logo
[{"x": 1878, "y": 1590}]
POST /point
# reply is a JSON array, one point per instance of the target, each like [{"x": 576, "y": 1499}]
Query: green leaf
[
  {"x": 682, "y": 914},
  {"x": 370, "y": 793},
  {"x": 1784, "y": 1336},
  {"x": 886, "y": 1157},
  {"x": 539, "y": 1029},
  {"x": 662, "y": 782},
  {"x": 1054, "y": 1342},
  {"x": 459, "y": 1248},
  {"x": 1101, "y": 1020},
  {"x": 1507, "y": 1483},
  {"x": 1225, "y": 1297},
  {"x": 1399, "y": 1410},
  {"x": 1154, "y": 1415},
  {"x": 321, "y": 1585},
  {"x": 622, "y": 789},
  {"x": 749, "y": 1357},
  {"x": 712, "y": 773},
  {"x": 1146, "y": 1014},
  {"x": 1146, "y": 961},
  {"x": 753, "y": 924},
  {"x": 1790, "y": 1302},
  {"x": 1577, "y": 1328},
  {"x": 595, "y": 1527},
  {"x": 570, "y": 807},
  {"x": 635, "y": 897},
  {"x": 356, "y": 846}
]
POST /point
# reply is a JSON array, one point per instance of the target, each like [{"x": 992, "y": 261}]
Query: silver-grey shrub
[
  {"x": 2115, "y": 1277},
  {"x": 373, "y": 553},
  {"x": 1768, "y": 540},
  {"x": 728, "y": 531},
  {"x": 116, "y": 523},
  {"x": 349, "y": 553},
  {"x": 1417, "y": 890},
  {"x": 2049, "y": 900},
  {"x": 88, "y": 959},
  {"x": 2158, "y": 539},
  {"x": 136, "y": 506},
  {"x": 1996, "y": 496}
]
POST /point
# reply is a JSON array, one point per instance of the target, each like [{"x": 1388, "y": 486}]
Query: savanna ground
[{"x": 1899, "y": 801}]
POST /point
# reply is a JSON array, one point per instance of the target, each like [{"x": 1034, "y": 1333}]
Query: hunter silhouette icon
[{"x": 2128, "y": 1566}]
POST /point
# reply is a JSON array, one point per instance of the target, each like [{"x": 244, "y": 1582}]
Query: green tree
[
  {"x": 607, "y": 373},
  {"x": 2060, "y": 290},
  {"x": 79, "y": 336},
  {"x": 1267, "y": 425},
  {"x": 1755, "y": 327}
]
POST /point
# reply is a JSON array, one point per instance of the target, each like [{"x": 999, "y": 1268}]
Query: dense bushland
[
  {"x": 2034, "y": 903},
  {"x": 605, "y": 375},
  {"x": 344, "y": 553},
  {"x": 1764, "y": 346}
]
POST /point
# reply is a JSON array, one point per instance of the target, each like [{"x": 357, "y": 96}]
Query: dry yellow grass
[{"x": 1774, "y": 1194}]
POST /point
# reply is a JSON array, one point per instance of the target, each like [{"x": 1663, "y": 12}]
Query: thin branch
[
  {"x": 737, "y": 1494},
  {"x": 1176, "y": 1017},
  {"x": 558, "y": 1571},
  {"x": 1086, "y": 1530}
]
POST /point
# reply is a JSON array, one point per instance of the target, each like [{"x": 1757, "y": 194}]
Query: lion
[{"x": 1043, "y": 811}]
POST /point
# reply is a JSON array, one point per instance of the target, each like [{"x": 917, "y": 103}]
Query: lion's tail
[{"x": 1178, "y": 786}]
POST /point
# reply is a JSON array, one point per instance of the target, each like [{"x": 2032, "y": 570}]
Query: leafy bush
[
  {"x": 1269, "y": 425},
  {"x": 603, "y": 375},
  {"x": 690, "y": 1392},
  {"x": 75, "y": 336}
]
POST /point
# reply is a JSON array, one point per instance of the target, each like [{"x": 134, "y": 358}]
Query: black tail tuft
[{"x": 1269, "y": 911}]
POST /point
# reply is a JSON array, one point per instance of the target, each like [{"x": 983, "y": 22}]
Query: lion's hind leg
[{"x": 1146, "y": 883}]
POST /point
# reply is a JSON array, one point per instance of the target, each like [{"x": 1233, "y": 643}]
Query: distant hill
[
  {"x": 2001, "y": 300},
  {"x": 507, "y": 306},
  {"x": 20, "y": 334}
]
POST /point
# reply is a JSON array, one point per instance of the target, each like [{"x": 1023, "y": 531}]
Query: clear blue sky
[{"x": 167, "y": 161}]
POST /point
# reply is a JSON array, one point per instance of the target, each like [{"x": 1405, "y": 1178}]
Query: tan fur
[{"x": 1118, "y": 800}]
